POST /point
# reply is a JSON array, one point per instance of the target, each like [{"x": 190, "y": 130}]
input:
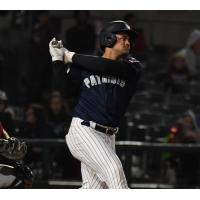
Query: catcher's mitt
[{"x": 13, "y": 148}]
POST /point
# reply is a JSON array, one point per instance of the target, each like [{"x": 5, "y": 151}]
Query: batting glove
[
  {"x": 56, "y": 50},
  {"x": 68, "y": 56}
]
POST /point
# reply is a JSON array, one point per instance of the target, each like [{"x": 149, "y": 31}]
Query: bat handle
[{"x": 55, "y": 42}]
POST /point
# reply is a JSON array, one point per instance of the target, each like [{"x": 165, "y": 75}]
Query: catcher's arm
[{"x": 4, "y": 132}]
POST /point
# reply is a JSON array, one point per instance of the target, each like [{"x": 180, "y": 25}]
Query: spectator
[
  {"x": 4, "y": 106},
  {"x": 35, "y": 126},
  {"x": 82, "y": 29},
  {"x": 192, "y": 52},
  {"x": 185, "y": 131},
  {"x": 57, "y": 115},
  {"x": 35, "y": 123},
  {"x": 176, "y": 75}
]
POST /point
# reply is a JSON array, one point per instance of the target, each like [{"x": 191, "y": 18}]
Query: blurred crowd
[{"x": 166, "y": 107}]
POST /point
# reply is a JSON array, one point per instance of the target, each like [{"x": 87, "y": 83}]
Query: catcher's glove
[{"x": 13, "y": 148}]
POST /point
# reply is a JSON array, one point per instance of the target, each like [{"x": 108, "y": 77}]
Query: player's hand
[
  {"x": 56, "y": 50},
  {"x": 68, "y": 56}
]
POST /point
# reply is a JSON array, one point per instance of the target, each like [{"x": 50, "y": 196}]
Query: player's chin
[{"x": 126, "y": 50}]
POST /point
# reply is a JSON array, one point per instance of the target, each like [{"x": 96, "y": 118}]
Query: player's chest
[{"x": 92, "y": 80}]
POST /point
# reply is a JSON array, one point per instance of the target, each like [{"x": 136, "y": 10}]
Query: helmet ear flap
[
  {"x": 108, "y": 40},
  {"x": 111, "y": 39}
]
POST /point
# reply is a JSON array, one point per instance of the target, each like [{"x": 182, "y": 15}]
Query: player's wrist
[
  {"x": 57, "y": 58},
  {"x": 68, "y": 55}
]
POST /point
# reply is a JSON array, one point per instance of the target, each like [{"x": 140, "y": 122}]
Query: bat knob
[{"x": 55, "y": 42}]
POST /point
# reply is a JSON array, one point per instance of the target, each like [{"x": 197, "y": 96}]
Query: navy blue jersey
[{"x": 106, "y": 88}]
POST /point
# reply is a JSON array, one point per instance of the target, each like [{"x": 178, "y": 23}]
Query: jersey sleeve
[
  {"x": 58, "y": 76},
  {"x": 66, "y": 79},
  {"x": 125, "y": 68}
]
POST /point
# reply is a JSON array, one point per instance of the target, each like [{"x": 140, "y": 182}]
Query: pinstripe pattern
[
  {"x": 100, "y": 166},
  {"x": 90, "y": 178}
]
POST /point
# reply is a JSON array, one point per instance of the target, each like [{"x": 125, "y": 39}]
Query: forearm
[
  {"x": 102, "y": 65},
  {"x": 92, "y": 63},
  {"x": 58, "y": 70},
  {"x": 58, "y": 76}
]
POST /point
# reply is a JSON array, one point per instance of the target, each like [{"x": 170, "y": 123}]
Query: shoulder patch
[
  {"x": 136, "y": 64},
  {"x": 132, "y": 60}
]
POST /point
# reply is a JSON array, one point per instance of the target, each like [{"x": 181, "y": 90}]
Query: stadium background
[{"x": 156, "y": 152}]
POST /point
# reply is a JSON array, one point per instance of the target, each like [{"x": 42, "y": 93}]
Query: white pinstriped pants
[{"x": 100, "y": 166}]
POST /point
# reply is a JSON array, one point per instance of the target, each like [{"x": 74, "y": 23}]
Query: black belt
[{"x": 101, "y": 128}]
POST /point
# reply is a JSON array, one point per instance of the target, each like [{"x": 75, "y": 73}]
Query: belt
[{"x": 101, "y": 128}]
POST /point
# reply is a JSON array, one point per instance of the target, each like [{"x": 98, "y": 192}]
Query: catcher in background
[{"x": 13, "y": 172}]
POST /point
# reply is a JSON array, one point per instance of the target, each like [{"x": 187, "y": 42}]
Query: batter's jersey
[{"x": 105, "y": 93}]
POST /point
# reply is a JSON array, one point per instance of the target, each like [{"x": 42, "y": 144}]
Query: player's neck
[{"x": 110, "y": 54}]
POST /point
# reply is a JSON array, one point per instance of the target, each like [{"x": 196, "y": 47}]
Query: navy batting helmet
[{"x": 108, "y": 37}]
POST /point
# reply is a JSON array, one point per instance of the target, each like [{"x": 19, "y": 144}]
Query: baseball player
[
  {"x": 107, "y": 85},
  {"x": 13, "y": 172}
]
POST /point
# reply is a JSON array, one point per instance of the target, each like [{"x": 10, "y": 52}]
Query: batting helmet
[{"x": 108, "y": 37}]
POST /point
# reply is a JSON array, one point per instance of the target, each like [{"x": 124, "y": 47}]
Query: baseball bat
[{"x": 4, "y": 132}]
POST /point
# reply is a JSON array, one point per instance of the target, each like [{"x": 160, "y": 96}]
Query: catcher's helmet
[{"x": 108, "y": 37}]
